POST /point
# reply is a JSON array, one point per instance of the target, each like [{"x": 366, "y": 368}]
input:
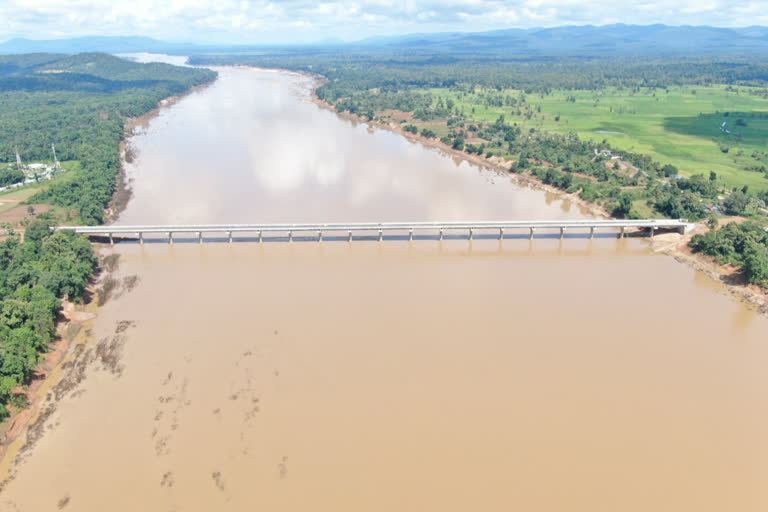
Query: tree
[
  {"x": 623, "y": 206},
  {"x": 37, "y": 231},
  {"x": 756, "y": 263}
]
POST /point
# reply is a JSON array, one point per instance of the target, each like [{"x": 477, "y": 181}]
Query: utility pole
[
  {"x": 18, "y": 160},
  {"x": 56, "y": 164}
]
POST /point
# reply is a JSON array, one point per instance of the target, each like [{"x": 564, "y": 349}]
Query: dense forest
[
  {"x": 353, "y": 73},
  {"x": 34, "y": 276},
  {"x": 79, "y": 103}
]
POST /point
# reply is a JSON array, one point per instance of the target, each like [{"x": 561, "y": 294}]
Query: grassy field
[{"x": 680, "y": 125}]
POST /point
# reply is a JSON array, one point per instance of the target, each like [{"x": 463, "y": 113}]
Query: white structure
[{"x": 285, "y": 232}]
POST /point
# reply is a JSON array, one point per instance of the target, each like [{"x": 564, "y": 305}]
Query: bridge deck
[{"x": 380, "y": 227}]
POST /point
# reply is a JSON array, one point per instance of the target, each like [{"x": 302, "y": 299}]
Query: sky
[{"x": 301, "y": 21}]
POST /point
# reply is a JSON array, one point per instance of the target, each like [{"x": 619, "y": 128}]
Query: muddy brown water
[{"x": 455, "y": 375}]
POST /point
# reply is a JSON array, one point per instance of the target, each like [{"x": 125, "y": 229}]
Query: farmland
[{"x": 677, "y": 125}]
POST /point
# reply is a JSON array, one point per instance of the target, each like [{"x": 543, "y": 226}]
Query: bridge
[{"x": 393, "y": 230}]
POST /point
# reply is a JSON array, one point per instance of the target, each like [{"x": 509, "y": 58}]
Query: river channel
[{"x": 454, "y": 375}]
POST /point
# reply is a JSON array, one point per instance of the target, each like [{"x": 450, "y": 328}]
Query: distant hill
[
  {"x": 61, "y": 71},
  {"x": 120, "y": 44},
  {"x": 586, "y": 40}
]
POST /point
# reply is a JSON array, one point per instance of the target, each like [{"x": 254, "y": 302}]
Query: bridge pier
[{"x": 113, "y": 233}]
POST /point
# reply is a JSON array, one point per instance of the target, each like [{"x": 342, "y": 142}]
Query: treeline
[
  {"x": 597, "y": 172},
  {"x": 79, "y": 103},
  {"x": 349, "y": 74},
  {"x": 34, "y": 275},
  {"x": 10, "y": 176}
]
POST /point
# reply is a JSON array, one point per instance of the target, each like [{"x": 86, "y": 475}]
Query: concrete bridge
[{"x": 394, "y": 230}]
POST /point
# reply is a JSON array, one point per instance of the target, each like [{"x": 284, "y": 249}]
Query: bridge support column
[
  {"x": 259, "y": 236},
  {"x": 562, "y": 233},
  {"x": 441, "y": 234},
  {"x": 410, "y": 235},
  {"x": 349, "y": 235},
  {"x": 470, "y": 233},
  {"x": 381, "y": 235},
  {"x": 653, "y": 229},
  {"x": 623, "y": 231},
  {"x": 290, "y": 236},
  {"x": 170, "y": 237},
  {"x": 199, "y": 237},
  {"x": 501, "y": 233},
  {"x": 229, "y": 236},
  {"x": 111, "y": 241},
  {"x": 592, "y": 232},
  {"x": 533, "y": 230},
  {"x": 141, "y": 238},
  {"x": 319, "y": 236}
]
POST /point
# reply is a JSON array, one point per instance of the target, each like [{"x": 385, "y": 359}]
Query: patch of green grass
[
  {"x": 640, "y": 206},
  {"x": 679, "y": 125}
]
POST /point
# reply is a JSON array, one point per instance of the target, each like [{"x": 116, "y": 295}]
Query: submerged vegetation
[{"x": 78, "y": 103}]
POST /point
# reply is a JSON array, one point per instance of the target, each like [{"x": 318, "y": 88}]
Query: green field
[{"x": 679, "y": 125}]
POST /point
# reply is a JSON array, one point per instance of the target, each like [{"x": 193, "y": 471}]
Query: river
[{"x": 551, "y": 375}]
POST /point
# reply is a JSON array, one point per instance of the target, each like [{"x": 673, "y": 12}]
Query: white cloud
[{"x": 254, "y": 21}]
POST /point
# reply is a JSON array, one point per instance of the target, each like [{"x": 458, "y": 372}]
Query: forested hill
[
  {"x": 79, "y": 102},
  {"x": 108, "y": 44}
]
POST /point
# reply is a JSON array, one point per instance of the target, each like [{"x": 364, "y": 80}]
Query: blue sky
[{"x": 259, "y": 21}]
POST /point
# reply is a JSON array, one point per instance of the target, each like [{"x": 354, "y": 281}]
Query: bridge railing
[{"x": 410, "y": 227}]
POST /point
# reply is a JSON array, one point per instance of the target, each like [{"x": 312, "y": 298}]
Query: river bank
[
  {"x": 673, "y": 245},
  {"x": 73, "y": 326},
  {"x": 122, "y": 193}
]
